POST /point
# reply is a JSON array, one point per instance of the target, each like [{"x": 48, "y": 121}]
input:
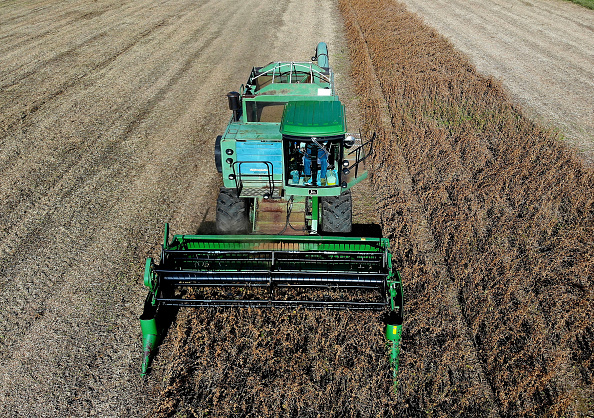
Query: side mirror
[{"x": 349, "y": 141}]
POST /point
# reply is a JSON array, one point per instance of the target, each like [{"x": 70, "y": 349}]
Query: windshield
[{"x": 313, "y": 161}]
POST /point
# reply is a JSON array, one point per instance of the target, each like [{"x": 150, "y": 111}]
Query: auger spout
[{"x": 322, "y": 55}]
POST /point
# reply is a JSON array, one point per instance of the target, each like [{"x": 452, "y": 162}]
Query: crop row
[{"x": 508, "y": 212}]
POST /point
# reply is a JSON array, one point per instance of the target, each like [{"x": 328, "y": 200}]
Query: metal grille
[{"x": 289, "y": 276}]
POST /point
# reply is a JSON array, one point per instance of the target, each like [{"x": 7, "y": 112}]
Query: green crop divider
[{"x": 150, "y": 333}]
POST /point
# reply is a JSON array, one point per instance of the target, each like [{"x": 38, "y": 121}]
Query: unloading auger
[{"x": 288, "y": 167}]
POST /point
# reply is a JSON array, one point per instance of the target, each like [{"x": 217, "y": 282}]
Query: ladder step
[{"x": 259, "y": 192}]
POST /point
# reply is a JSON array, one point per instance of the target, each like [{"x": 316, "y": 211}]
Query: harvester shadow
[
  {"x": 358, "y": 230},
  {"x": 362, "y": 230},
  {"x": 167, "y": 316},
  {"x": 206, "y": 227}
]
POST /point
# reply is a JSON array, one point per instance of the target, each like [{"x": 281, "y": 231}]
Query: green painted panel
[
  {"x": 277, "y": 242},
  {"x": 309, "y": 118}
]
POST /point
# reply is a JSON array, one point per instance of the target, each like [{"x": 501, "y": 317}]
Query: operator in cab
[{"x": 315, "y": 149}]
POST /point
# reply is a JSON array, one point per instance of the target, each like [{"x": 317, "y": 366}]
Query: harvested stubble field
[
  {"x": 541, "y": 50},
  {"x": 106, "y": 112}
]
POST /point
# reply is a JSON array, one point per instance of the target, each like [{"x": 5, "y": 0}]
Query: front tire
[
  {"x": 217, "y": 154},
  {"x": 337, "y": 213},
  {"x": 232, "y": 213}
]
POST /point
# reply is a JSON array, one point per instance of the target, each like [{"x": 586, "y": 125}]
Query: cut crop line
[
  {"x": 158, "y": 97},
  {"x": 424, "y": 224}
]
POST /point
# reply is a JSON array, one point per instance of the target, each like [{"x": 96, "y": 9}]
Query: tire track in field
[
  {"x": 32, "y": 27},
  {"x": 22, "y": 15},
  {"x": 109, "y": 148},
  {"x": 61, "y": 23},
  {"x": 98, "y": 43},
  {"x": 75, "y": 164},
  {"x": 30, "y": 227},
  {"x": 62, "y": 88},
  {"x": 187, "y": 64},
  {"x": 59, "y": 191}
]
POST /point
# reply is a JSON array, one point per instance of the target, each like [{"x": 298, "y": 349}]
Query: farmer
[{"x": 315, "y": 149}]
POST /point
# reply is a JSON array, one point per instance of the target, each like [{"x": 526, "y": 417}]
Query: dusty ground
[
  {"x": 542, "y": 51},
  {"x": 108, "y": 114}
]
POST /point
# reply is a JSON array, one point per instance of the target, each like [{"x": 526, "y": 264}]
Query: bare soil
[
  {"x": 108, "y": 115},
  {"x": 109, "y": 111}
]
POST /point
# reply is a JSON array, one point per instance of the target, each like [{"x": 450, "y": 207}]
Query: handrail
[
  {"x": 293, "y": 66},
  {"x": 238, "y": 175},
  {"x": 360, "y": 154}
]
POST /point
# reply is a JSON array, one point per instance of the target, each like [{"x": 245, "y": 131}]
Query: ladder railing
[{"x": 294, "y": 67}]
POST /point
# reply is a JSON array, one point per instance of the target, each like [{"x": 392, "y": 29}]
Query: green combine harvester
[{"x": 284, "y": 213}]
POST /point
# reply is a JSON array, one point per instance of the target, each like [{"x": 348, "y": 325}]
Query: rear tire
[
  {"x": 232, "y": 213},
  {"x": 337, "y": 213}
]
